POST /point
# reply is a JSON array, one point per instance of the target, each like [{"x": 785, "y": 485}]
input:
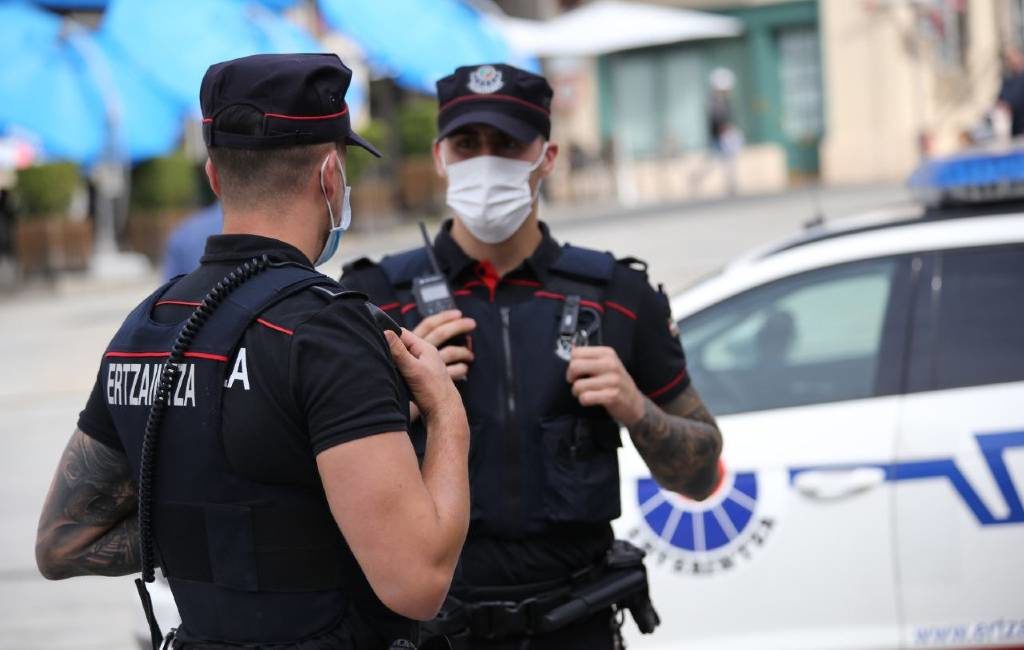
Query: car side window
[
  {"x": 807, "y": 339},
  {"x": 979, "y": 336}
]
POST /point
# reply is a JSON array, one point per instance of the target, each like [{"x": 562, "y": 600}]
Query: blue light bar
[{"x": 971, "y": 178}]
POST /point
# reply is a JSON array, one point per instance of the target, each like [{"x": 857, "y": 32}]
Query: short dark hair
[{"x": 250, "y": 177}]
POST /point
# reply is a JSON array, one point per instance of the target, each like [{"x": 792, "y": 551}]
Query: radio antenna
[{"x": 430, "y": 249}]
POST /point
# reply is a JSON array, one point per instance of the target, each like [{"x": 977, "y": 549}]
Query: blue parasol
[
  {"x": 77, "y": 99},
  {"x": 419, "y": 41},
  {"x": 175, "y": 41}
]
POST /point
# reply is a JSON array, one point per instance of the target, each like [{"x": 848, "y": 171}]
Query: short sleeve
[
  {"x": 345, "y": 381},
  {"x": 95, "y": 421},
  {"x": 659, "y": 364}
]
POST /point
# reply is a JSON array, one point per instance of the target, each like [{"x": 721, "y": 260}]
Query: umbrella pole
[{"x": 109, "y": 174}]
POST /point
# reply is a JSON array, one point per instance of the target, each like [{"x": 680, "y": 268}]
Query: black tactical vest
[
  {"x": 537, "y": 458},
  {"x": 232, "y": 548}
]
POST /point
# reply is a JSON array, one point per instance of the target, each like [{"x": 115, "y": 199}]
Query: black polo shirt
[
  {"x": 659, "y": 364},
  {"x": 319, "y": 370},
  {"x": 658, "y": 367}
]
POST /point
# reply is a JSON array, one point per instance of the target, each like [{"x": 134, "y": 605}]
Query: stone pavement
[{"x": 52, "y": 338}]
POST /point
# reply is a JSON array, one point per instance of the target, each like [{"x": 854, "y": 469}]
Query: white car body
[{"x": 886, "y": 521}]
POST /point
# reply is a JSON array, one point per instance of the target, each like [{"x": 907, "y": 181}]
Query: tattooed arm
[
  {"x": 680, "y": 443},
  {"x": 88, "y": 524}
]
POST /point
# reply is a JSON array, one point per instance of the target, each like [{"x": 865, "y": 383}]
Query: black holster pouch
[{"x": 619, "y": 580}]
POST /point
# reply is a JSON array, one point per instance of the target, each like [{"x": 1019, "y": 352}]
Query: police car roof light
[{"x": 974, "y": 177}]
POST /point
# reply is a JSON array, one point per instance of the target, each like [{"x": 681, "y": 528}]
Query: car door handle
[{"x": 829, "y": 485}]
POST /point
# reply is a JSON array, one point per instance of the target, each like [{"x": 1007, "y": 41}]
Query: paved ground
[{"x": 53, "y": 337}]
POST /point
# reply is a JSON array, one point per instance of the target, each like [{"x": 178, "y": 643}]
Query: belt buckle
[{"x": 495, "y": 619}]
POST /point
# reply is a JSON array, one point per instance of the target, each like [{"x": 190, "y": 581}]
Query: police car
[{"x": 868, "y": 379}]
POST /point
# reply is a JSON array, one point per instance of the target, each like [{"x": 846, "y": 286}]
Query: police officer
[
  {"x": 270, "y": 456},
  {"x": 553, "y": 347}
]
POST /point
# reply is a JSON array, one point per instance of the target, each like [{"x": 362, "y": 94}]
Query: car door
[
  {"x": 794, "y": 548},
  {"x": 959, "y": 472}
]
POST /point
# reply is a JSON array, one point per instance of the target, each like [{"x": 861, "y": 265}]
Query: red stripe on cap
[
  {"x": 308, "y": 117},
  {"x": 409, "y": 307},
  {"x": 266, "y": 323},
  {"x": 500, "y": 98},
  {"x": 207, "y": 120},
  {"x": 390, "y": 306},
  {"x": 667, "y": 387}
]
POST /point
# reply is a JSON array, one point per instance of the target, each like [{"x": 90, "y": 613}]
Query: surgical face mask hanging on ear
[
  {"x": 491, "y": 194},
  {"x": 337, "y": 229}
]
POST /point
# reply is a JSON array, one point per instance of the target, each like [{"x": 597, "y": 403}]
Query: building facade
[{"x": 836, "y": 91}]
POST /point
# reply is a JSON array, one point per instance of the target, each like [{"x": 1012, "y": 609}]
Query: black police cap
[
  {"x": 301, "y": 98},
  {"x": 511, "y": 100}
]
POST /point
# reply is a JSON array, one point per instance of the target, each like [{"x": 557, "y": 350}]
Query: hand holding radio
[{"x": 444, "y": 327}]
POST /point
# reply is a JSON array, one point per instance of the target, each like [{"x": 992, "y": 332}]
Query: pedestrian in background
[
  {"x": 186, "y": 243},
  {"x": 1011, "y": 93}
]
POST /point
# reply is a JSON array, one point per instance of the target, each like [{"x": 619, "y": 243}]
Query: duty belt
[{"x": 619, "y": 580}]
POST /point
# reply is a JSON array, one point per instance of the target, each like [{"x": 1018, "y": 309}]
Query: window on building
[
  {"x": 800, "y": 83},
  {"x": 660, "y": 102},
  {"x": 946, "y": 23}
]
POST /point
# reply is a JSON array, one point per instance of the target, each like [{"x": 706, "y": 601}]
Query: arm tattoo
[
  {"x": 680, "y": 444},
  {"x": 88, "y": 524}
]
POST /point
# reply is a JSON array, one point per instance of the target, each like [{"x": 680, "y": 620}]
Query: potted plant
[
  {"x": 163, "y": 192},
  {"x": 372, "y": 192},
  {"x": 45, "y": 239},
  {"x": 420, "y": 188}
]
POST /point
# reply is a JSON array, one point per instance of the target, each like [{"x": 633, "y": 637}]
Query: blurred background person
[
  {"x": 185, "y": 245},
  {"x": 1011, "y": 93}
]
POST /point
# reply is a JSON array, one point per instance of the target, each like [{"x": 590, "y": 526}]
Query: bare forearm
[
  {"x": 681, "y": 450},
  {"x": 446, "y": 477},
  {"x": 88, "y": 525},
  {"x": 80, "y": 551}
]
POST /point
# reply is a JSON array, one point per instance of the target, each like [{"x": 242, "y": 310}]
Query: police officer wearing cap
[
  {"x": 553, "y": 347},
  {"x": 247, "y": 431}
]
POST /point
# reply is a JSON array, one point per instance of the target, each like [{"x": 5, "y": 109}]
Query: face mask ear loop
[
  {"x": 444, "y": 160},
  {"x": 323, "y": 189},
  {"x": 540, "y": 160}
]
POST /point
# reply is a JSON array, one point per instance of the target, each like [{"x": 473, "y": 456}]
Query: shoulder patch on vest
[
  {"x": 403, "y": 267},
  {"x": 335, "y": 291},
  {"x": 585, "y": 263},
  {"x": 634, "y": 263}
]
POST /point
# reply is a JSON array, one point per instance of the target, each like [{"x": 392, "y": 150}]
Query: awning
[
  {"x": 610, "y": 26},
  {"x": 419, "y": 41}
]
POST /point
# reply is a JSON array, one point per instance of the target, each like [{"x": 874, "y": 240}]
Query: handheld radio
[{"x": 431, "y": 291}]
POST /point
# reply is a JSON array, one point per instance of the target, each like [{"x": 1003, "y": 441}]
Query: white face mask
[
  {"x": 491, "y": 194},
  {"x": 337, "y": 230}
]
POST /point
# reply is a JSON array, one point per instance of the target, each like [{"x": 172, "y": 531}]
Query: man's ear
[
  {"x": 213, "y": 177},
  {"x": 548, "y": 164},
  {"x": 331, "y": 175},
  {"x": 438, "y": 160}
]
